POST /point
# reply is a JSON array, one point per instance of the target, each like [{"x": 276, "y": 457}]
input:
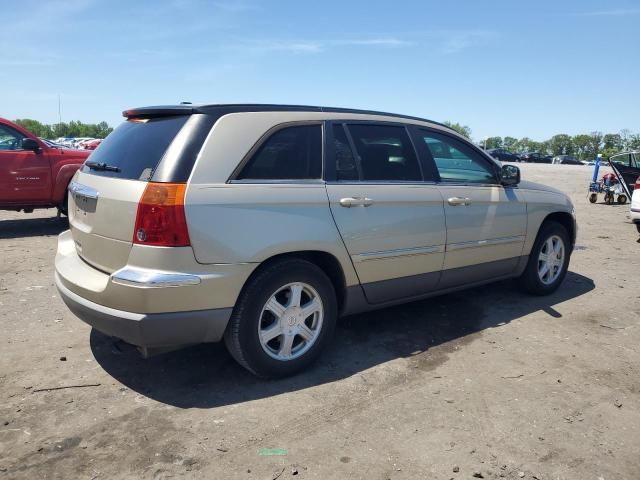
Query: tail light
[
  {"x": 161, "y": 220},
  {"x": 637, "y": 184}
]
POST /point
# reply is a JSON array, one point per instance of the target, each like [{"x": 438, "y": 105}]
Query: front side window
[
  {"x": 10, "y": 139},
  {"x": 385, "y": 153},
  {"x": 292, "y": 153},
  {"x": 457, "y": 162}
]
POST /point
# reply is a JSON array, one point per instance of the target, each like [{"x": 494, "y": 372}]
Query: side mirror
[
  {"x": 30, "y": 144},
  {"x": 509, "y": 175}
]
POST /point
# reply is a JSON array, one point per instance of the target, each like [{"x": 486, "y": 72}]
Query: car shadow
[
  {"x": 32, "y": 227},
  {"x": 206, "y": 376}
]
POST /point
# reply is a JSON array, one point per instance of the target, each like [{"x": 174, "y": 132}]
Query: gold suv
[{"x": 262, "y": 224}]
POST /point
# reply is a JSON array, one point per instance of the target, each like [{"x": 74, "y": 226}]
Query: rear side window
[
  {"x": 136, "y": 147},
  {"x": 293, "y": 153},
  {"x": 385, "y": 153}
]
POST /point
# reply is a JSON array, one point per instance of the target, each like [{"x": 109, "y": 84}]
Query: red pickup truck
[{"x": 34, "y": 173}]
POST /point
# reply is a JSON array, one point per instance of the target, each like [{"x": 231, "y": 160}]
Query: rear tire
[
  {"x": 274, "y": 345},
  {"x": 593, "y": 198},
  {"x": 622, "y": 199},
  {"x": 551, "y": 240}
]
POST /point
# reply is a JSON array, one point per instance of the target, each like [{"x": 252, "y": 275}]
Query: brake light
[
  {"x": 161, "y": 220},
  {"x": 637, "y": 184}
]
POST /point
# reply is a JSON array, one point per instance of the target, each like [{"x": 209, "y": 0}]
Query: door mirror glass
[
  {"x": 30, "y": 144},
  {"x": 509, "y": 175}
]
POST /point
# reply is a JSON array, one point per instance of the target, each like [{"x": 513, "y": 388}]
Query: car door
[
  {"x": 25, "y": 175},
  {"x": 389, "y": 212},
  {"x": 486, "y": 222}
]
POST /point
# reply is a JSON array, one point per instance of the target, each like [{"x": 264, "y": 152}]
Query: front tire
[
  {"x": 549, "y": 260},
  {"x": 283, "y": 319}
]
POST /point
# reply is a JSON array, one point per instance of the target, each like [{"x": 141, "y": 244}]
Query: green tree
[
  {"x": 35, "y": 127},
  {"x": 612, "y": 141},
  {"x": 595, "y": 143},
  {"x": 634, "y": 142},
  {"x": 493, "y": 142},
  {"x": 509, "y": 143},
  {"x": 461, "y": 129},
  {"x": 561, "y": 144},
  {"x": 582, "y": 146},
  {"x": 75, "y": 128}
]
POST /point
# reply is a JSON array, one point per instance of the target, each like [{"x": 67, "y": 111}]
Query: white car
[{"x": 635, "y": 205}]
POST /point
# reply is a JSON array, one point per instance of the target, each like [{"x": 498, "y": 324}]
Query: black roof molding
[{"x": 223, "y": 109}]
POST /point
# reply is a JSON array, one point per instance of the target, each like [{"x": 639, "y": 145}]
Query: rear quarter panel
[{"x": 249, "y": 223}]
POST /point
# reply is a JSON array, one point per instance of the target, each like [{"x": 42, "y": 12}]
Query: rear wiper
[{"x": 102, "y": 166}]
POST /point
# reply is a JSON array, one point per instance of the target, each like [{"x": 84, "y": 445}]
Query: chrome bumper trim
[{"x": 139, "y": 277}]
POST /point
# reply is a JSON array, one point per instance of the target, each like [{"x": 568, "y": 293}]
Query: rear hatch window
[{"x": 134, "y": 149}]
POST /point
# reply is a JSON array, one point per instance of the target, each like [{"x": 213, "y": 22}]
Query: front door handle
[
  {"x": 455, "y": 201},
  {"x": 356, "y": 202}
]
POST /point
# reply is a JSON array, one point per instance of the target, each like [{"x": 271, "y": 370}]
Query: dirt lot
[{"x": 488, "y": 382}]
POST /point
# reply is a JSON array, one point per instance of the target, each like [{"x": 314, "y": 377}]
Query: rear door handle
[
  {"x": 455, "y": 201},
  {"x": 356, "y": 202}
]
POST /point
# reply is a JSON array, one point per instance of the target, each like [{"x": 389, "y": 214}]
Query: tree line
[
  {"x": 74, "y": 128},
  {"x": 582, "y": 146}
]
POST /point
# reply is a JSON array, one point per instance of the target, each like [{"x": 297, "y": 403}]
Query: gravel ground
[{"x": 486, "y": 383}]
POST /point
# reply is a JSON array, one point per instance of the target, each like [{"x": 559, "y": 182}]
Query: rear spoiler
[{"x": 159, "y": 111}]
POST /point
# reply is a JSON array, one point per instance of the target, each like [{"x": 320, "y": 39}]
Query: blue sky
[{"x": 502, "y": 67}]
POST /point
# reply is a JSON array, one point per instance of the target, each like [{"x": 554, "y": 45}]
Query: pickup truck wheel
[
  {"x": 283, "y": 319},
  {"x": 548, "y": 261}
]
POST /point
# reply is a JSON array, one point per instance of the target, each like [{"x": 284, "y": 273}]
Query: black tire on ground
[
  {"x": 593, "y": 198},
  {"x": 638, "y": 227},
  {"x": 241, "y": 336},
  {"x": 622, "y": 199},
  {"x": 530, "y": 281}
]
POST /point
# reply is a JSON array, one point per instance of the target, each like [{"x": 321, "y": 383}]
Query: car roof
[{"x": 226, "y": 108}]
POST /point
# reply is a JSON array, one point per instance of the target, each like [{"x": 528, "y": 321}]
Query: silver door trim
[
  {"x": 484, "y": 243},
  {"x": 402, "y": 252}
]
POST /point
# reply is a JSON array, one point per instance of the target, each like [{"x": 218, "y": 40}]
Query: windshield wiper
[{"x": 102, "y": 166}]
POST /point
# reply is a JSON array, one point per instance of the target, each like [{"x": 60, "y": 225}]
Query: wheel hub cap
[
  {"x": 290, "y": 321},
  {"x": 551, "y": 259}
]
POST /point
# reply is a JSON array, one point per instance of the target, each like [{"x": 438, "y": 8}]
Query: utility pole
[{"x": 59, "y": 110}]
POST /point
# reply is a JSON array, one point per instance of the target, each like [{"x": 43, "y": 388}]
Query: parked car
[
  {"x": 635, "y": 205},
  {"x": 92, "y": 144},
  {"x": 34, "y": 173},
  {"x": 264, "y": 230},
  {"x": 566, "y": 160},
  {"x": 628, "y": 164},
  {"x": 535, "y": 157},
  {"x": 503, "y": 155}
]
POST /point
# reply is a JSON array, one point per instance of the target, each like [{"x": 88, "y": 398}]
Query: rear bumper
[{"x": 151, "y": 330}]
